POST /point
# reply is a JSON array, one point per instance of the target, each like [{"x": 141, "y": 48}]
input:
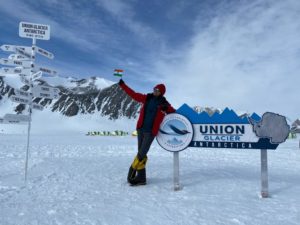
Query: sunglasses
[{"x": 156, "y": 90}]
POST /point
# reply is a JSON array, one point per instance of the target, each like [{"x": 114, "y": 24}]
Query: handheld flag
[{"x": 118, "y": 72}]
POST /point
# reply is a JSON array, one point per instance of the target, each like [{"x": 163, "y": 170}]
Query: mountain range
[{"x": 93, "y": 95}]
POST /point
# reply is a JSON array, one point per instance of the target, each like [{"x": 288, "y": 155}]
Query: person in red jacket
[{"x": 154, "y": 108}]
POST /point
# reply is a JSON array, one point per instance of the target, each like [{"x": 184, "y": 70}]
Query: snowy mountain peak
[{"x": 84, "y": 96}]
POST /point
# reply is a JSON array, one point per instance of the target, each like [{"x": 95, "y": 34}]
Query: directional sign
[
  {"x": 12, "y": 48},
  {"x": 19, "y": 99},
  {"x": 3, "y": 121},
  {"x": 37, "y": 75},
  {"x": 44, "y": 95},
  {"x": 46, "y": 70},
  {"x": 37, "y": 106},
  {"x": 24, "y": 80},
  {"x": 41, "y": 91},
  {"x": 33, "y": 30},
  {"x": 21, "y": 93},
  {"x": 23, "y": 52},
  {"x": 43, "y": 88},
  {"x": 44, "y": 52},
  {"x": 10, "y": 62},
  {"x": 17, "y": 57},
  {"x": 20, "y": 70},
  {"x": 16, "y": 117}
]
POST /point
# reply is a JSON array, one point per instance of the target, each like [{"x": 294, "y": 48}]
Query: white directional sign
[
  {"x": 44, "y": 52},
  {"x": 16, "y": 117},
  {"x": 22, "y": 93},
  {"x": 19, "y": 99},
  {"x": 10, "y": 62},
  {"x": 43, "y": 88},
  {"x": 33, "y": 30},
  {"x": 37, "y": 75},
  {"x": 37, "y": 106},
  {"x": 12, "y": 48},
  {"x": 45, "y": 70},
  {"x": 41, "y": 91},
  {"x": 17, "y": 57},
  {"x": 3, "y": 121},
  {"x": 44, "y": 95},
  {"x": 24, "y": 80},
  {"x": 23, "y": 52},
  {"x": 17, "y": 70}
]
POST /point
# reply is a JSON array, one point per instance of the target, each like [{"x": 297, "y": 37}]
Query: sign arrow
[
  {"x": 20, "y": 70},
  {"x": 16, "y": 117},
  {"x": 44, "y": 52},
  {"x": 37, "y": 106},
  {"x": 17, "y": 57},
  {"x": 10, "y": 62},
  {"x": 37, "y": 75},
  {"x": 21, "y": 93},
  {"x": 46, "y": 70},
  {"x": 19, "y": 99},
  {"x": 45, "y": 95},
  {"x": 24, "y": 80},
  {"x": 12, "y": 48},
  {"x": 23, "y": 53},
  {"x": 3, "y": 121},
  {"x": 43, "y": 88},
  {"x": 42, "y": 91}
]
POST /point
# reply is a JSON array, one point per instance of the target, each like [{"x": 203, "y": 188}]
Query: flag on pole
[{"x": 118, "y": 72}]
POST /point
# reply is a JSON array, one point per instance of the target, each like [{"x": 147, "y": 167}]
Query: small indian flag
[{"x": 118, "y": 72}]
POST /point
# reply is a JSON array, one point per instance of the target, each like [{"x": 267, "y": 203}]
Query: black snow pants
[{"x": 145, "y": 140}]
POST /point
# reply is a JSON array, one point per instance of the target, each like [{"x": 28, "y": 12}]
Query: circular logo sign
[{"x": 175, "y": 133}]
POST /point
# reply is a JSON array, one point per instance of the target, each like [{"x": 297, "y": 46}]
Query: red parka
[{"x": 163, "y": 109}]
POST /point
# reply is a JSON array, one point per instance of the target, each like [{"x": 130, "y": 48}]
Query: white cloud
[
  {"x": 247, "y": 59},
  {"x": 125, "y": 14}
]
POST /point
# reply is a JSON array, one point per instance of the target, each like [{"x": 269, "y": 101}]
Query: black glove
[{"x": 121, "y": 81}]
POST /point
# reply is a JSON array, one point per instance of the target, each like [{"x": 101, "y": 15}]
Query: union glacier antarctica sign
[{"x": 187, "y": 128}]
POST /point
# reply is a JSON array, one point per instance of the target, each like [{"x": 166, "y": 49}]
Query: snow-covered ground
[{"x": 77, "y": 179}]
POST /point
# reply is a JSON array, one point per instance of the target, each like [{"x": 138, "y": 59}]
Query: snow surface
[{"x": 78, "y": 179}]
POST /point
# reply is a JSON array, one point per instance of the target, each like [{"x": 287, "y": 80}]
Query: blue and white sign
[
  {"x": 221, "y": 130},
  {"x": 176, "y": 133}
]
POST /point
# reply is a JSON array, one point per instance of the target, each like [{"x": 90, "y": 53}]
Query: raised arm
[{"x": 136, "y": 96}]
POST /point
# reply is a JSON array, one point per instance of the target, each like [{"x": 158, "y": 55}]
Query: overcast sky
[{"x": 244, "y": 55}]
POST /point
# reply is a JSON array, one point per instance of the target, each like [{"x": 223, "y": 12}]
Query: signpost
[
  {"x": 37, "y": 75},
  {"x": 37, "y": 106},
  {"x": 11, "y": 62},
  {"x": 19, "y": 99},
  {"x": 17, "y": 70},
  {"x": 187, "y": 128},
  {"x": 12, "y": 48},
  {"x": 46, "y": 70},
  {"x": 24, "y": 60},
  {"x": 22, "y": 52},
  {"x": 34, "y": 31},
  {"x": 22, "y": 93},
  {"x": 17, "y": 57},
  {"x": 24, "y": 80},
  {"x": 44, "y": 52},
  {"x": 16, "y": 117}
]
